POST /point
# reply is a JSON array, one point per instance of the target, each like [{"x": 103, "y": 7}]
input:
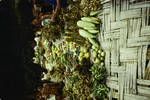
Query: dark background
[{"x": 17, "y": 72}]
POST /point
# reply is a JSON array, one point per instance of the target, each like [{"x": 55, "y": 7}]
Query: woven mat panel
[{"x": 125, "y": 37}]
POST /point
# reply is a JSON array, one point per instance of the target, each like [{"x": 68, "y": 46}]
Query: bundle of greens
[{"x": 99, "y": 75}]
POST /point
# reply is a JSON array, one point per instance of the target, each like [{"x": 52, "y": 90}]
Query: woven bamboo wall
[{"x": 125, "y": 37}]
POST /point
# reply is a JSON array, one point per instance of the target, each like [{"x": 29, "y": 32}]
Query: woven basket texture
[{"x": 125, "y": 37}]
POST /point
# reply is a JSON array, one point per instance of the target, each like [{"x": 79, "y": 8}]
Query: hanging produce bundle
[{"x": 89, "y": 29}]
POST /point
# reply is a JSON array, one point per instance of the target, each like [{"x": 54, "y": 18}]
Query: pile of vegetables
[
  {"x": 89, "y": 29},
  {"x": 61, "y": 61},
  {"x": 72, "y": 54}
]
